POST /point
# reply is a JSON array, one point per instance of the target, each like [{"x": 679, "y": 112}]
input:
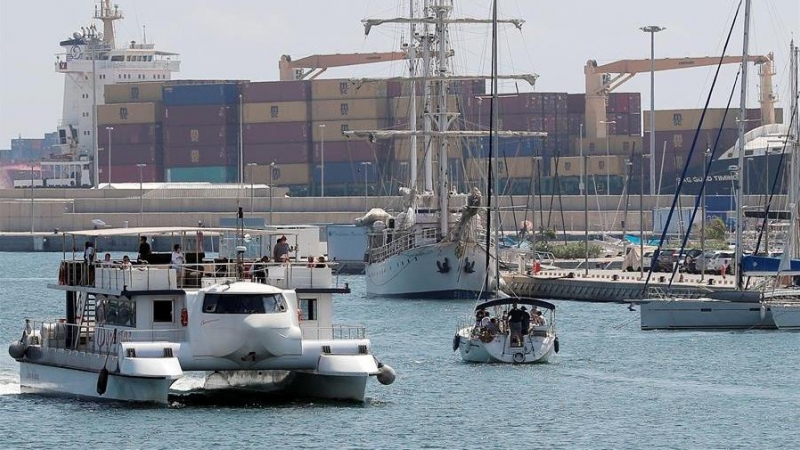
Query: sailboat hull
[
  {"x": 704, "y": 314},
  {"x": 421, "y": 272}
]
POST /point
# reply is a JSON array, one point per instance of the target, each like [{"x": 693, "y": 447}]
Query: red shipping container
[
  {"x": 200, "y": 156},
  {"x": 635, "y": 103},
  {"x": 576, "y": 103},
  {"x": 275, "y": 91},
  {"x": 278, "y": 152},
  {"x": 130, "y": 174},
  {"x": 201, "y": 115},
  {"x": 203, "y": 135},
  {"x": 264, "y": 133},
  {"x": 127, "y": 134},
  {"x": 351, "y": 150},
  {"x": 130, "y": 155},
  {"x": 561, "y": 103}
]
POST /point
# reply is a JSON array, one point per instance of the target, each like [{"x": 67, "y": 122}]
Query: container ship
[{"x": 152, "y": 128}]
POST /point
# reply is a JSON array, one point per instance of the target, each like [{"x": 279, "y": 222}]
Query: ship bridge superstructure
[{"x": 91, "y": 60}]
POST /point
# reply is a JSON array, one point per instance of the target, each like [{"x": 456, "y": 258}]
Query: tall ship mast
[{"x": 90, "y": 61}]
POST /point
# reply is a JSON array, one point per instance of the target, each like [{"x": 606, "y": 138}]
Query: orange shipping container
[
  {"x": 275, "y": 112},
  {"x": 334, "y": 128},
  {"x": 126, "y": 113},
  {"x": 133, "y": 92},
  {"x": 372, "y": 108},
  {"x": 400, "y": 106},
  {"x": 346, "y": 89},
  {"x": 282, "y": 174}
]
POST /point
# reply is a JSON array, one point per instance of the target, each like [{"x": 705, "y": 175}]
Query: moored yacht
[{"x": 130, "y": 330}]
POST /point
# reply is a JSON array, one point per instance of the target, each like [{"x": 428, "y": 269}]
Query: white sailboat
[
  {"x": 513, "y": 335},
  {"x": 434, "y": 248}
]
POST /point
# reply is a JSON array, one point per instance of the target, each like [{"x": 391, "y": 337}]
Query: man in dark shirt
[
  {"x": 526, "y": 321},
  {"x": 515, "y": 324},
  {"x": 144, "y": 249}
]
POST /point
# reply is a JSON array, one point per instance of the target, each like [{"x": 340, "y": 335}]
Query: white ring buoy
[{"x": 519, "y": 357}]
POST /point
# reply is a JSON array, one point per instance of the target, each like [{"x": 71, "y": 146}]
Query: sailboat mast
[
  {"x": 412, "y": 103},
  {"x": 496, "y": 147},
  {"x": 742, "y": 117},
  {"x": 794, "y": 184},
  {"x": 426, "y": 99}
]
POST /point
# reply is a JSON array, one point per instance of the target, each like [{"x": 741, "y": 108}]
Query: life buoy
[
  {"x": 519, "y": 357},
  {"x": 184, "y": 317}
]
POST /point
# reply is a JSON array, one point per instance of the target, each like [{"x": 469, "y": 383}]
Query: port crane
[
  {"x": 311, "y": 67},
  {"x": 601, "y": 80}
]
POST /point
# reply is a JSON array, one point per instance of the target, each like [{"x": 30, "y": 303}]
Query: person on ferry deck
[
  {"x": 321, "y": 263},
  {"x": 310, "y": 261},
  {"x": 260, "y": 270},
  {"x": 281, "y": 251},
  {"x": 144, "y": 249},
  {"x": 107, "y": 260},
  {"x": 177, "y": 262},
  {"x": 88, "y": 252},
  {"x": 126, "y": 262}
]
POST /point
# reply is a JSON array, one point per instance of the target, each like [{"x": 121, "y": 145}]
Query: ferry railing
[{"x": 402, "y": 241}]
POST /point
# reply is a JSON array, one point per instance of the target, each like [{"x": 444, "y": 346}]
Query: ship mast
[
  {"x": 742, "y": 117},
  {"x": 412, "y": 103},
  {"x": 108, "y": 16}
]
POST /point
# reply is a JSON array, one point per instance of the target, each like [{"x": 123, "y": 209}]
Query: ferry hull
[
  {"x": 54, "y": 380},
  {"x": 416, "y": 274},
  {"x": 702, "y": 314}
]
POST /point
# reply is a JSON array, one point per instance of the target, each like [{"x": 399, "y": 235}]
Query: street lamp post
[
  {"x": 108, "y": 178},
  {"x": 652, "y": 29},
  {"x": 271, "y": 170},
  {"x": 608, "y": 156},
  {"x": 365, "y": 165},
  {"x": 141, "y": 192},
  {"x": 251, "y": 165},
  {"x": 322, "y": 159}
]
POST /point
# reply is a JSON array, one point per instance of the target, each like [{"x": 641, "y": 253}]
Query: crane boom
[
  {"x": 292, "y": 70},
  {"x": 602, "y": 79}
]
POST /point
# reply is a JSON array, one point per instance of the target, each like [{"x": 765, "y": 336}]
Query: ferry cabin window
[
  {"x": 162, "y": 311},
  {"x": 308, "y": 308},
  {"x": 117, "y": 58},
  {"x": 243, "y": 303},
  {"x": 120, "y": 312}
]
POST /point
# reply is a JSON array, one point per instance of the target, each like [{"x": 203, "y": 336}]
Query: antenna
[{"x": 144, "y": 34}]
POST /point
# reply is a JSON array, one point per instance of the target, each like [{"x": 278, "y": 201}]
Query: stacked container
[{"x": 201, "y": 132}]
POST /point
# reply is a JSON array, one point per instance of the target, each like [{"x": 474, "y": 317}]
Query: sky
[{"x": 244, "y": 39}]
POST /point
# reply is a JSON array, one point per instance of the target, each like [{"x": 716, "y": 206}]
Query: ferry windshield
[{"x": 243, "y": 303}]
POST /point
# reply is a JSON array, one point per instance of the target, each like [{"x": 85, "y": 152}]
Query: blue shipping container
[
  {"x": 201, "y": 94},
  {"x": 347, "y": 172},
  {"x": 211, "y": 174}
]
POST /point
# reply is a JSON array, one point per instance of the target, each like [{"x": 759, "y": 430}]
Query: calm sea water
[{"x": 612, "y": 386}]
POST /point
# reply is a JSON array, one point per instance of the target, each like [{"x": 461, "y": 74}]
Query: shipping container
[
  {"x": 688, "y": 119},
  {"x": 276, "y": 91},
  {"x": 346, "y": 89},
  {"x": 210, "y": 174},
  {"x": 201, "y": 115},
  {"x": 678, "y": 144},
  {"x": 595, "y": 165},
  {"x": 201, "y": 94},
  {"x": 347, "y": 109},
  {"x": 278, "y": 152},
  {"x": 139, "y": 133},
  {"x": 200, "y": 135},
  {"x": 275, "y": 112},
  {"x": 351, "y": 150},
  {"x": 130, "y": 155},
  {"x": 151, "y": 173},
  {"x": 133, "y": 92},
  {"x": 349, "y": 172},
  {"x": 127, "y": 113},
  {"x": 576, "y": 103},
  {"x": 200, "y": 156},
  {"x": 561, "y": 103},
  {"x": 263, "y": 133},
  {"x": 521, "y": 103},
  {"x": 400, "y": 107},
  {"x": 394, "y": 88},
  {"x": 282, "y": 174},
  {"x": 508, "y": 146},
  {"x": 635, "y": 124},
  {"x": 575, "y": 120},
  {"x": 334, "y": 128}
]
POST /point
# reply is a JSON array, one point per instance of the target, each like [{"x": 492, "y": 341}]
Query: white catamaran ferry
[{"x": 130, "y": 329}]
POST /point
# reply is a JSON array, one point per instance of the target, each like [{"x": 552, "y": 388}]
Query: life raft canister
[{"x": 184, "y": 317}]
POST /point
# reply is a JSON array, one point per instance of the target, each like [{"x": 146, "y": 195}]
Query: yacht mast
[
  {"x": 742, "y": 117},
  {"x": 794, "y": 183},
  {"x": 495, "y": 145}
]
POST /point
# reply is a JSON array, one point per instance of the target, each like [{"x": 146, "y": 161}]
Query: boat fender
[
  {"x": 456, "y": 342},
  {"x": 17, "y": 349},
  {"x": 184, "y": 317},
  {"x": 386, "y": 374},
  {"x": 519, "y": 357},
  {"x": 763, "y": 312},
  {"x": 555, "y": 345},
  {"x": 444, "y": 267},
  {"x": 102, "y": 381}
]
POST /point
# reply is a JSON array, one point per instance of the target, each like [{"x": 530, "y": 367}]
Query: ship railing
[
  {"x": 335, "y": 332},
  {"x": 400, "y": 241},
  {"x": 659, "y": 293}
]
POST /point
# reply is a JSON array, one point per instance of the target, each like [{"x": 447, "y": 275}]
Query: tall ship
[{"x": 436, "y": 245}]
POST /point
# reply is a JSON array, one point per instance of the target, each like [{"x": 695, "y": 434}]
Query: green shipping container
[{"x": 211, "y": 174}]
